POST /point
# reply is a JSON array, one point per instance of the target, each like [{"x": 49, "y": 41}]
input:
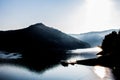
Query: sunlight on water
[
  {"x": 103, "y": 72},
  {"x": 100, "y": 71},
  {"x": 78, "y": 51}
]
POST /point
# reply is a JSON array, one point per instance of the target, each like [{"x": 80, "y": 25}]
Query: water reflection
[
  {"x": 77, "y": 72},
  {"x": 39, "y": 62},
  {"x": 90, "y": 50},
  {"x": 49, "y": 68},
  {"x": 103, "y": 72},
  {"x": 100, "y": 71},
  {"x": 14, "y": 72}
]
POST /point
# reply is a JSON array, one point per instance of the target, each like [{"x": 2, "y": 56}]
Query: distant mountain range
[
  {"x": 38, "y": 37},
  {"x": 93, "y": 38}
]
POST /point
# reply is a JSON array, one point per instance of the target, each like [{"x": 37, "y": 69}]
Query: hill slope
[
  {"x": 38, "y": 37},
  {"x": 93, "y": 38}
]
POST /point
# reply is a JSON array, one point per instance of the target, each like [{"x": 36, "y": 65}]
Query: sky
[{"x": 69, "y": 16}]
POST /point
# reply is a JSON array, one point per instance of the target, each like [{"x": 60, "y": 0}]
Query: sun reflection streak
[
  {"x": 103, "y": 73},
  {"x": 100, "y": 71}
]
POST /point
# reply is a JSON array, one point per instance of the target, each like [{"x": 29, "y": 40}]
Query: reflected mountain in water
[
  {"x": 39, "y": 69},
  {"x": 40, "y": 47},
  {"x": 37, "y": 63},
  {"x": 15, "y": 72}
]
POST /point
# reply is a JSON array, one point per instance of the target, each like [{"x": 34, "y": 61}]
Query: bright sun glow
[
  {"x": 100, "y": 71},
  {"x": 94, "y": 15},
  {"x": 98, "y": 13},
  {"x": 69, "y": 16}
]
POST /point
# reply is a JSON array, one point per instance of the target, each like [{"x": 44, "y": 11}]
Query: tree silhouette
[{"x": 111, "y": 44}]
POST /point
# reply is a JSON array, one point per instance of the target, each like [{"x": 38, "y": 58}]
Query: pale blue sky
[{"x": 70, "y": 16}]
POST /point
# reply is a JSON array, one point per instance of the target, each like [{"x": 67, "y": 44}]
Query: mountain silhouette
[
  {"x": 37, "y": 47},
  {"x": 38, "y": 37}
]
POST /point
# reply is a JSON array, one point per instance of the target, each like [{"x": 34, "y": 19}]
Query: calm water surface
[{"x": 58, "y": 72}]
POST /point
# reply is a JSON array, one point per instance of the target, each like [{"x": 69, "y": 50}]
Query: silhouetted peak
[
  {"x": 39, "y": 24},
  {"x": 36, "y": 25}
]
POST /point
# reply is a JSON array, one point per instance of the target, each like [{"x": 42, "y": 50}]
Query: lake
[{"x": 55, "y": 71}]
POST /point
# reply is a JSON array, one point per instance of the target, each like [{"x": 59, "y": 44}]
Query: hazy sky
[{"x": 70, "y": 16}]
